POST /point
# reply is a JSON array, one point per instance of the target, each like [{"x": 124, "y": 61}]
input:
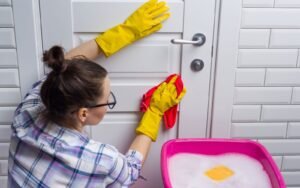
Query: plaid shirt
[{"x": 47, "y": 155}]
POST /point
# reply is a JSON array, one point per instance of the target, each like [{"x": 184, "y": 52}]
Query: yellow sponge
[{"x": 219, "y": 173}]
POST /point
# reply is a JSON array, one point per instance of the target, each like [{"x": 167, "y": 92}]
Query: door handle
[{"x": 197, "y": 40}]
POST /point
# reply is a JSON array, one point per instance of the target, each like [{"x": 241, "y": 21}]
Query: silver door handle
[{"x": 197, "y": 40}]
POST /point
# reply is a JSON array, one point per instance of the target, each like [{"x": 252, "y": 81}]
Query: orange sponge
[{"x": 219, "y": 173}]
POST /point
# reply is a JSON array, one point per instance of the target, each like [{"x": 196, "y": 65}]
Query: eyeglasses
[{"x": 110, "y": 103}]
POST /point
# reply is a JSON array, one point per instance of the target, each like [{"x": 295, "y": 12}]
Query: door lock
[{"x": 197, "y": 65}]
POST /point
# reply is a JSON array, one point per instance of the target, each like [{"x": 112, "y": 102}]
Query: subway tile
[
  {"x": 5, "y": 132},
  {"x": 6, "y": 17},
  {"x": 7, "y": 38},
  {"x": 6, "y": 115},
  {"x": 9, "y": 78},
  {"x": 5, "y": 2},
  {"x": 3, "y": 181},
  {"x": 293, "y": 130},
  {"x": 262, "y": 95},
  {"x": 246, "y": 113},
  {"x": 10, "y": 96},
  {"x": 258, "y": 3},
  {"x": 292, "y": 178},
  {"x": 4, "y": 147},
  {"x": 250, "y": 77},
  {"x": 278, "y": 161},
  {"x": 287, "y": 3},
  {"x": 3, "y": 167},
  {"x": 298, "y": 59},
  {"x": 291, "y": 163},
  {"x": 280, "y": 113},
  {"x": 270, "y": 18},
  {"x": 296, "y": 95},
  {"x": 267, "y": 58},
  {"x": 254, "y": 38},
  {"x": 285, "y": 38},
  {"x": 283, "y": 77},
  {"x": 258, "y": 130},
  {"x": 8, "y": 58},
  {"x": 282, "y": 146}
]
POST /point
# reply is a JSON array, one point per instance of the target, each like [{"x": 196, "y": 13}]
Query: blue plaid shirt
[{"x": 47, "y": 155}]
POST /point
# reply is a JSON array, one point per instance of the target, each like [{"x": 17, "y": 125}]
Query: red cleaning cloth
[{"x": 169, "y": 115}]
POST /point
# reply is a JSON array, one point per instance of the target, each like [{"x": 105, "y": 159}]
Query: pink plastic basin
[{"x": 220, "y": 146}]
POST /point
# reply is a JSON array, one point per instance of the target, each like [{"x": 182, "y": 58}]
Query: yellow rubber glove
[
  {"x": 144, "y": 21},
  {"x": 162, "y": 99}
]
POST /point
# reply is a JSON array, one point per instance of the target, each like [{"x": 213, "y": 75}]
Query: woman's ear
[{"x": 82, "y": 114}]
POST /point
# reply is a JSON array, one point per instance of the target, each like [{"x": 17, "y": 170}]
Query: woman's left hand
[{"x": 144, "y": 21}]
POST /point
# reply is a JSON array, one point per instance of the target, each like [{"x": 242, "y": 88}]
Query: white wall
[
  {"x": 267, "y": 83},
  {"x": 9, "y": 81},
  {"x": 20, "y": 67}
]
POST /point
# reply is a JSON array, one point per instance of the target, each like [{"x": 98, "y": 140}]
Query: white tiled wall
[
  {"x": 267, "y": 86},
  {"x": 9, "y": 82}
]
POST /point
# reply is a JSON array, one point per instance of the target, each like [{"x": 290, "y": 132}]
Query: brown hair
[{"x": 71, "y": 84}]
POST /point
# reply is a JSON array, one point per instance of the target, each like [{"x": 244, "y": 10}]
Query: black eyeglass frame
[{"x": 110, "y": 105}]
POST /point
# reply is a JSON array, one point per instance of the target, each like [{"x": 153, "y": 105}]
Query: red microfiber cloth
[{"x": 169, "y": 115}]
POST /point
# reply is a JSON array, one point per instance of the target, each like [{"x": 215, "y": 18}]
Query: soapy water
[{"x": 188, "y": 171}]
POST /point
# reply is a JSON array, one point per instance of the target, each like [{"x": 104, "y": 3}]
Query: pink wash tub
[{"x": 220, "y": 146}]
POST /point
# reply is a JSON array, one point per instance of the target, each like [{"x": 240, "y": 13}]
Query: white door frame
[
  {"x": 227, "y": 55},
  {"x": 28, "y": 42}
]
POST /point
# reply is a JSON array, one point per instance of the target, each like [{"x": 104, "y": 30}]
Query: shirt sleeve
[
  {"x": 126, "y": 169},
  {"x": 32, "y": 98}
]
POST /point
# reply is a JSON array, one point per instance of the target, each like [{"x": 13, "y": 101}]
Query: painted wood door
[{"x": 141, "y": 66}]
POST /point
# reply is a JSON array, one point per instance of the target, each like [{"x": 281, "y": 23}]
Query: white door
[{"x": 141, "y": 66}]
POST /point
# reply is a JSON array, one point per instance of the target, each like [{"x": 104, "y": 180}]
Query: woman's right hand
[
  {"x": 165, "y": 97},
  {"x": 162, "y": 99}
]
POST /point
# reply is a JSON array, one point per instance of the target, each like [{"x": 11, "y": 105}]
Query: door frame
[
  {"x": 226, "y": 60},
  {"x": 28, "y": 42}
]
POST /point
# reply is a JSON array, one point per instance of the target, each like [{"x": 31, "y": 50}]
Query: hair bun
[{"x": 54, "y": 58}]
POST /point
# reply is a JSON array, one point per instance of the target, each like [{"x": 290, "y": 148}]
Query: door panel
[
  {"x": 116, "y": 129},
  {"x": 151, "y": 55},
  {"x": 140, "y": 66},
  {"x": 97, "y": 16}
]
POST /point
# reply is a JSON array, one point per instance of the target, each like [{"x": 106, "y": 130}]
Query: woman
[{"x": 48, "y": 147}]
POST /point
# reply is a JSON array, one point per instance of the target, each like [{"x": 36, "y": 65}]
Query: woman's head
[{"x": 71, "y": 88}]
